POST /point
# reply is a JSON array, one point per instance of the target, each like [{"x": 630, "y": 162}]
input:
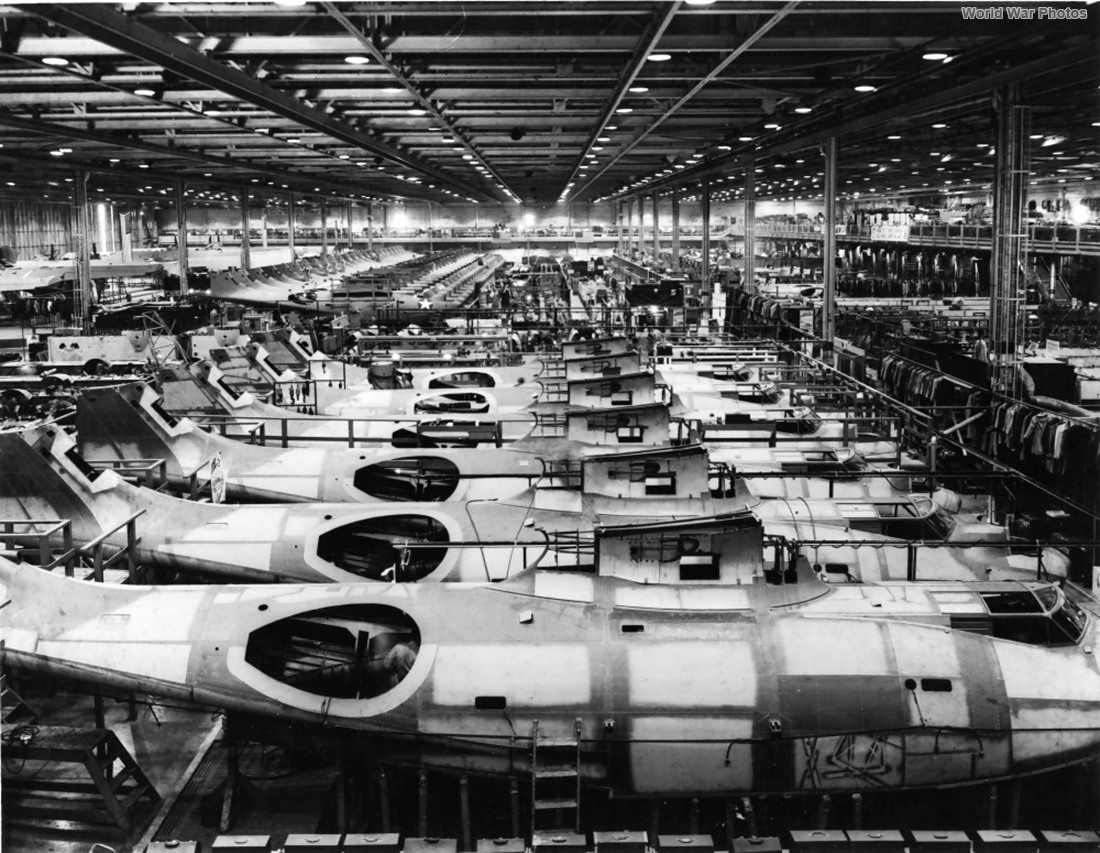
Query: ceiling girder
[
  {"x": 410, "y": 86},
  {"x": 125, "y": 34},
  {"x": 648, "y": 40},
  {"x": 728, "y": 60}
]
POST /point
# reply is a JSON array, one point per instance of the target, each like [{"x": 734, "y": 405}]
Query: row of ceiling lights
[{"x": 862, "y": 88}]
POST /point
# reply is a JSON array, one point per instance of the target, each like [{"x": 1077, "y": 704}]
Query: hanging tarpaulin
[{"x": 217, "y": 479}]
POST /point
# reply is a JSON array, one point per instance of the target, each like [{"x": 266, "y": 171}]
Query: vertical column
[
  {"x": 1007, "y": 287},
  {"x": 263, "y": 221},
  {"x": 676, "y": 228},
  {"x": 290, "y": 226},
  {"x": 431, "y": 227},
  {"x": 828, "y": 250},
  {"x": 84, "y": 257},
  {"x": 181, "y": 237},
  {"x": 324, "y": 227},
  {"x": 351, "y": 229},
  {"x": 370, "y": 226},
  {"x": 629, "y": 226},
  {"x": 246, "y": 240},
  {"x": 619, "y": 226},
  {"x": 750, "y": 224},
  {"x": 705, "y": 205},
  {"x": 656, "y": 230}
]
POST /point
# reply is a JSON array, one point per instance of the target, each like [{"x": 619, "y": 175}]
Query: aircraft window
[
  {"x": 631, "y": 628},
  {"x": 1022, "y": 629},
  {"x": 699, "y": 567},
  {"x": 490, "y": 703},
  {"x": 82, "y": 464},
  {"x": 348, "y": 652},
  {"x": 936, "y": 685},
  {"x": 168, "y": 417},
  {"x": 468, "y": 403},
  {"x": 1016, "y": 601},
  {"x": 410, "y": 478},
  {"x": 280, "y": 356},
  {"x": 1048, "y": 597},
  {"x": 1070, "y": 620},
  {"x": 373, "y": 548},
  {"x": 939, "y": 524},
  {"x": 470, "y": 379}
]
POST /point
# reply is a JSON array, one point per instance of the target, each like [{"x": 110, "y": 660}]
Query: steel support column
[
  {"x": 263, "y": 221},
  {"x": 290, "y": 226},
  {"x": 630, "y": 226},
  {"x": 181, "y": 237},
  {"x": 657, "y": 230},
  {"x": 324, "y": 228},
  {"x": 1007, "y": 282},
  {"x": 705, "y": 205},
  {"x": 619, "y": 227},
  {"x": 246, "y": 239},
  {"x": 83, "y": 311},
  {"x": 828, "y": 250},
  {"x": 676, "y": 228},
  {"x": 750, "y": 225}
]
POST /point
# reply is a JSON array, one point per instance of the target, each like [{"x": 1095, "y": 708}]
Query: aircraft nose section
[{"x": 1054, "y": 701}]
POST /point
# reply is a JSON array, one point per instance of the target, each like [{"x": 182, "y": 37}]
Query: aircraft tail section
[
  {"x": 31, "y": 487},
  {"x": 111, "y": 424}
]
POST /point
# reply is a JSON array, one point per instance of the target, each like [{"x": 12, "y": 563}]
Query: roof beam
[
  {"x": 648, "y": 41},
  {"x": 410, "y": 86},
  {"x": 730, "y": 58},
  {"x": 125, "y": 34},
  {"x": 976, "y": 91},
  {"x": 64, "y": 131}
]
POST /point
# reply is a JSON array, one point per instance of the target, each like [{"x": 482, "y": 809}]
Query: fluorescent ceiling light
[
  {"x": 863, "y": 87},
  {"x": 659, "y": 57},
  {"x": 357, "y": 59},
  {"x": 55, "y": 61}
]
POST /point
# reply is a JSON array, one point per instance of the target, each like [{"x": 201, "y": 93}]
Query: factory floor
[
  {"x": 185, "y": 756},
  {"x": 163, "y": 740}
]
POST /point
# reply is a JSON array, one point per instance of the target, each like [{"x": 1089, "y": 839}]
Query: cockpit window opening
[
  {"x": 379, "y": 548},
  {"x": 346, "y": 652},
  {"x": 409, "y": 478}
]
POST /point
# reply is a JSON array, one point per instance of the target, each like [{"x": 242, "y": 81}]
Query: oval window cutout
[
  {"x": 468, "y": 403},
  {"x": 376, "y": 548},
  {"x": 409, "y": 478},
  {"x": 355, "y": 651},
  {"x": 468, "y": 379}
]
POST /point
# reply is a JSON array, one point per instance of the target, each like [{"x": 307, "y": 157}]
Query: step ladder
[
  {"x": 103, "y": 794},
  {"x": 13, "y": 709},
  {"x": 555, "y": 779}
]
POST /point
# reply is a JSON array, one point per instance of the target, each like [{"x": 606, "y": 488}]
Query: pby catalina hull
[
  {"x": 721, "y": 703},
  {"x": 473, "y": 540},
  {"x": 128, "y": 423},
  {"x": 203, "y": 390}
]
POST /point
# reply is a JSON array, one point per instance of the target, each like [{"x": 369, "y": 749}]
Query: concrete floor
[{"x": 162, "y": 739}]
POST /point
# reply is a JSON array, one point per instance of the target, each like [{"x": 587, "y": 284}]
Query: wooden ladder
[{"x": 555, "y": 778}]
